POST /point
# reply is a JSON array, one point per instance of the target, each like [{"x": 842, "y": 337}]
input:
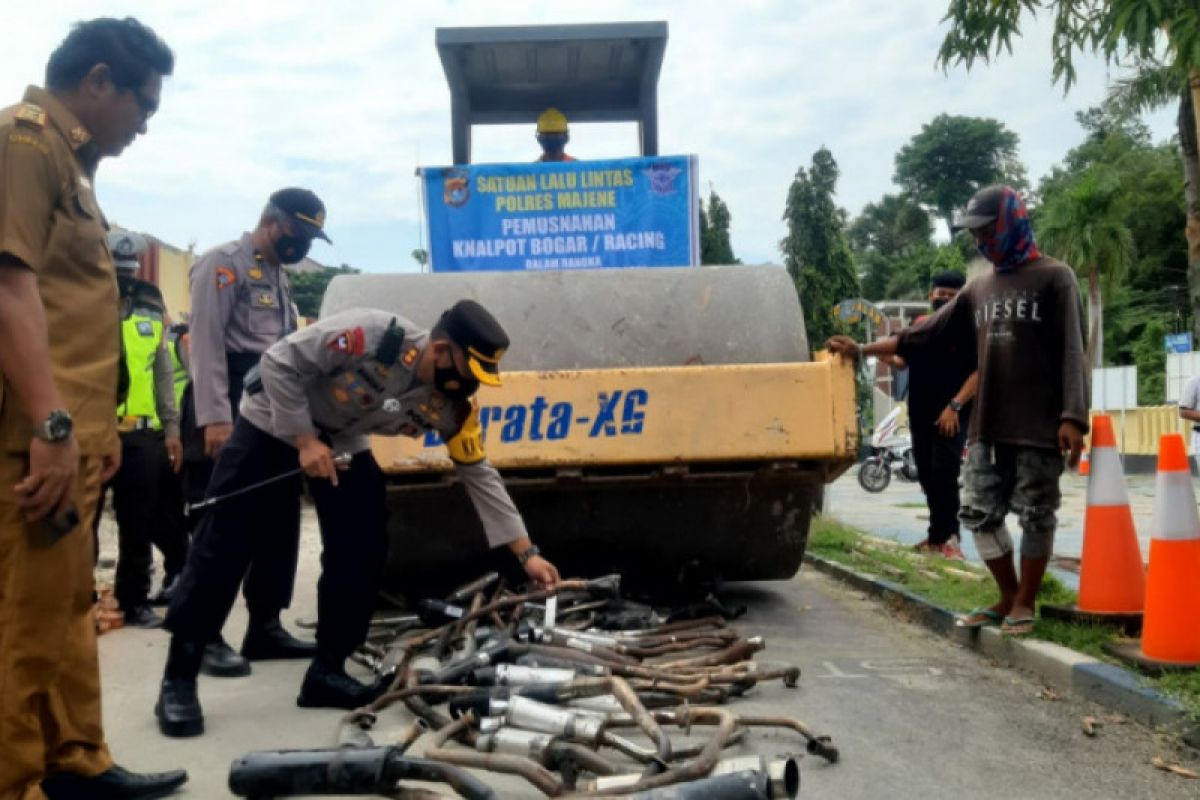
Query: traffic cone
[
  {"x": 1171, "y": 630},
  {"x": 1112, "y": 583},
  {"x": 1085, "y": 460}
]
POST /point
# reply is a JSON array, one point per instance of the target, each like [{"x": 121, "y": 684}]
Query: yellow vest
[{"x": 141, "y": 336}]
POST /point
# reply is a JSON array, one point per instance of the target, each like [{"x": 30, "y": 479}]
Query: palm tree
[{"x": 1084, "y": 227}]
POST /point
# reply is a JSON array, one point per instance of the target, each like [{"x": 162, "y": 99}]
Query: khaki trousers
[{"x": 49, "y": 668}]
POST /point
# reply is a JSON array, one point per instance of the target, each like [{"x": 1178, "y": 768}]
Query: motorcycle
[{"x": 891, "y": 452}]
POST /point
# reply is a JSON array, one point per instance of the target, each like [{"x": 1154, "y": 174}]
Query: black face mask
[
  {"x": 941, "y": 301},
  {"x": 452, "y": 385},
  {"x": 292, "y": 249}
]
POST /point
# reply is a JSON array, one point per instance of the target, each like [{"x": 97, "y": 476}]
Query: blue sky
[{"x": 347, "y": 98}]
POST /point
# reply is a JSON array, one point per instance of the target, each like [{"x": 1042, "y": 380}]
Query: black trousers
[
  {"x": 233, "y": 534},
  {"x": 149, "y": 513},
  {"x": 939, "y": 459},
  {"x": 269, "y": 582}
]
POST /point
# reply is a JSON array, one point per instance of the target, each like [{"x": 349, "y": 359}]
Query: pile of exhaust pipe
[{"x": 575, "y": 690}]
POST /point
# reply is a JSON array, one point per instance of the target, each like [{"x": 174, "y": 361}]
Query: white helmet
[{"x": 125, "y": 247}]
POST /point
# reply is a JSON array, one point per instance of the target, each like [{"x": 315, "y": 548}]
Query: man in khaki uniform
[{"x": 59, "y": 347}]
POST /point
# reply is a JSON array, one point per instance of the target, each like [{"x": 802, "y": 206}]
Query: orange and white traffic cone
[
  {"x": 1171, "y": 630},
  {"x": 1112, "y": 582},
  {"x": 1085, "y": 460}
]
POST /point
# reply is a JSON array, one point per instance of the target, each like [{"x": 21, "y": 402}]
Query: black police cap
[
  {"x": 305, "y": 208},
  {"x": 473, "y": 328}
]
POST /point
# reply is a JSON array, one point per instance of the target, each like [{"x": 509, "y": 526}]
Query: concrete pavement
[{"x": 914, "y": 715}]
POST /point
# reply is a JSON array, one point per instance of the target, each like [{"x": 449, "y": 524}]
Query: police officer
[
  {"x": 148, "y": 423},
  {"x": 323, "y": 391},
  {"x": 59, "y": 352},
  {"x": 172, "y": 489},
  {"x": 241, "y": 305}
]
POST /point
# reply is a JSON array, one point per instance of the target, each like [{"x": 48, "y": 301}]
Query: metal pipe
[
  {"x": 747, "y": 785},
  {"x": 783, "y": 774},
  {"x": 817, "y": 745},
  {"x": 410, "y": 734},
  {"x": 537, "y": 775},
  {"x": 353, "y": 729}
]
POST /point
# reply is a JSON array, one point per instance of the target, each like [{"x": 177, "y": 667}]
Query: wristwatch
[
  {"x": 955, "y": 406},
  {"x": 528, "y": 554},
  {"x": 55, "y": 428}
]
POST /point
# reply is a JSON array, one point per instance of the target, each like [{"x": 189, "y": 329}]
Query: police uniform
[
  {"x": 241, "y": 305},
  {"x": 49, "y": 672},
  {"x": 342, "y": 379},
  {"x": 147, "y": 415}
]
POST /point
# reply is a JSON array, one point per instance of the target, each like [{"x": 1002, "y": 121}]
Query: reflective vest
[
  {"x": 179, "y": 369},
  {"x": 141, "y": 337}
]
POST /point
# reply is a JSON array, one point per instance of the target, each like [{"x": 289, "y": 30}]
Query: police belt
[{"x": 130, "y": 424}]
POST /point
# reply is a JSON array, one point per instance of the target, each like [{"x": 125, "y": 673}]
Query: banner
[{"x": 631, "y": 212}]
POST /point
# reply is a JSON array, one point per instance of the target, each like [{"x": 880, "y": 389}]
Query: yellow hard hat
[{"x": 552, "y": 121}]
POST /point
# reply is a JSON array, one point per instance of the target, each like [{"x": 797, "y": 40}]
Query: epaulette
[
  {"x": 390, "y": 344},
  {"x": 31, "y": 115},
  {"x": 229, "y": 248}
]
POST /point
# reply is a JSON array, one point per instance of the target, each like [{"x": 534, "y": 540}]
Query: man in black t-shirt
[{"x": 940, "y": 387}]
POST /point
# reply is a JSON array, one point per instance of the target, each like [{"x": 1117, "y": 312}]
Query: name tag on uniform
[{"x": 145, "y": 328}]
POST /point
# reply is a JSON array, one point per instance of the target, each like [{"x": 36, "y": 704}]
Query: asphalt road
[{"x": 914, "y": 716}]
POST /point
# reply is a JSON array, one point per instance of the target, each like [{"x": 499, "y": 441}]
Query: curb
[{"x": 1057, "y": 666}]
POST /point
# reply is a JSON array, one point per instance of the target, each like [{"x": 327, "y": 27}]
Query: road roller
[{"x": 664, "y": 423}]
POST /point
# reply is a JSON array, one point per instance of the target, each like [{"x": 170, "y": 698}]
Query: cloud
[{"x": 347, "y": 98}]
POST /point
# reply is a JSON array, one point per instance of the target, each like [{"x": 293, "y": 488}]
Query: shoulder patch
[
  {"x": 351, "y": 341},
  {"x": 226, "y": 277},
  {"x": 19, "y": 137},
  {"x": 31, "y": 115}
]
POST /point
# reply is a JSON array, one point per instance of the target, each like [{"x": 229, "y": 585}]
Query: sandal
[
  {"x": 1017, "y": 626},
  {"x": 979, "y": 617}
]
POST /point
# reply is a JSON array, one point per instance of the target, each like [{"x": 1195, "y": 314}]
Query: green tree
[
  {"x": 888, "y": 239},
  {"x": 815, "y": 250},
  {"x": 1084, "y": 225},
  {"x": 954, "y": 157},
  {"x": 715, "y": 244},
  {"x": 1159, "y": 38},
  {"x": 421, "y": 256},
  {"x": 308, "y": 288}
]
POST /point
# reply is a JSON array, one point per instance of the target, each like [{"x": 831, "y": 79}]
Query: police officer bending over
[{"x": 323, "y": 391}]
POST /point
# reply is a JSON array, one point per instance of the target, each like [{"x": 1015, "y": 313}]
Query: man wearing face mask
[
  {"x": 941, "y": 383},
  {"x": 241, "y": 305},
  {"x": 1024, "y": 319},
  {"x": 322, "y": 391},
  {"x": 552, "y": 135}
]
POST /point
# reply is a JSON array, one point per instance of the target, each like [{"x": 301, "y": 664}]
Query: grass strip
[{"x": 961, "y": 586}]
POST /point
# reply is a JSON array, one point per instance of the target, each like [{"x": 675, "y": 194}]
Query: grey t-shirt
[{"x": 1026, "y": 327}]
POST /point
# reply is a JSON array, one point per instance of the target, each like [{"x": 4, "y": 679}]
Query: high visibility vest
[
  {"x": 141, "y": 337},
  {"x": 181, "y": 376}
]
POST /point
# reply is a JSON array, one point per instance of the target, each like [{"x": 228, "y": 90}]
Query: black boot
[
  {"x": 268, "y": 640},
  {"x": 222, "y": 661},
  {"x": 117, "y": 783},
  {"x": 178, "y": 707},
  {"x": 329, "y": 687},
  {"x": 142, "y": 616}
]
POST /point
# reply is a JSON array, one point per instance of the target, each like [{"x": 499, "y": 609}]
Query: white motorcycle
[{"x": 891, "y": 451}]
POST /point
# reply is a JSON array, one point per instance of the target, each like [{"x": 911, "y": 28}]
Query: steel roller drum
[{"x": 580, "y": 319}]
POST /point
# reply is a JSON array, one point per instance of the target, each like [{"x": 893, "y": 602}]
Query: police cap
[
  {"x": 305, "y": 209},
  {"x": 473, "y": 328},
  {"x": 125, "y": 247}
]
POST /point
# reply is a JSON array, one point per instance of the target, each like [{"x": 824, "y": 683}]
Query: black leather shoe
[
  {"x": 221, "y": 661},
  {"x": 142, "y": 617},
  {"x": 329, "y": 688},
  {"x": 270, "y": 641},
  {"x": 178, "y": 708},
  {"x": 163, "y": 596},
  {"x": 117, "y": 783}
]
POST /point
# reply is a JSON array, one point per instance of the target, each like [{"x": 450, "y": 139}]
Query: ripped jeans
[{"x": 999, "y": 478}]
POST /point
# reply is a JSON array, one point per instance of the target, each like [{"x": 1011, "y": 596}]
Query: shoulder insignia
[
  {"x": 409, "y": 357},
  {"x": 351, "y": 342},
  {"x": 79, "y": 135},
  {"x": 17, "y": 137},
  {"x": 225, "y": 278},
  {"x": 32, "y": 115},
  {"x": 255, "y": 273}
]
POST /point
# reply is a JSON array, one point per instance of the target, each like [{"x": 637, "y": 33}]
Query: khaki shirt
[
  {"x": 240, "y": 304},
  {"x": 328, "y": 378},
  {"x": 51, "y": 223}
]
